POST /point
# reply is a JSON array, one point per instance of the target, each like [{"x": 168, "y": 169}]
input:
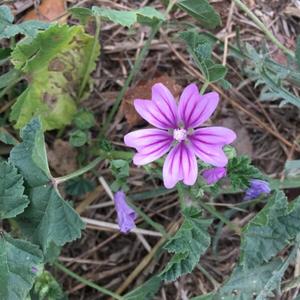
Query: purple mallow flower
[
  {"x": 257, "y": 187},
  {"x": 177, "y": 131},
  {"x": 126, "y": 215},
  {"x": 213, "y": 175}
]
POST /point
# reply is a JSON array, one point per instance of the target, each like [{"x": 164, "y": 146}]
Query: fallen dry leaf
[
  {"x": 62, "y": 157},
  {"x": 143, "y": 91},
  {"x": 48, "y": 11}
]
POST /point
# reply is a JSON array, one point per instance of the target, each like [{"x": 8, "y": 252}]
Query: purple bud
[
  {"x": 213, "y": 175},
  {"x": 126, "y": 215},
  {"x": 257, "y": 187},
  {"x": 34, "y": 269}
]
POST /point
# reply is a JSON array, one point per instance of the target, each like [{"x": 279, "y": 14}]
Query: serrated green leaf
[
  {"x": 12, "y": 198},
  {"x": 18, "y": 264},
  {"x": 48, "y": 218},
  {"x": 146, "y": 291},
  {"x": 202, "y": 11},
  {"x": 188, "y": 244},
  {"x": 55, "y": 64},
  {"x": 145, "y": 15},
  {"x": 272, "y": 229},
  {"x": 8, "y": 29},
  {"x": 240, "y": 171},
  {"x": 244, "y": 284}
]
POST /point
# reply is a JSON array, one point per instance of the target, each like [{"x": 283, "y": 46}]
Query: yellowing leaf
[{"x": 55, "y": 64}]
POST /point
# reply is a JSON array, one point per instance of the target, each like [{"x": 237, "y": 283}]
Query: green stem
[
  {"x": 125, "y": 155},
  {"x": 180, "y": 191},
  {"x": 91, "y": 59},
  {"x": 136, "y": 67},
  {"x": 87, "y": 282},
  {"x": 218, "y": 215},
  {"x": 263, "y": 27},
  {"x": 147, "y": 219},
  {"x": 79, "y": 172},
  {"x": 204, "y": 87}
]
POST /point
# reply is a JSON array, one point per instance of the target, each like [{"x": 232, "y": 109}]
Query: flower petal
[
  {"x": 215, "y": 135},
  {"x": 194, "y": 109},
  {"x": 161, "y": 112},
  {"x": 213, "y": 175},
  {"x": 208, "y": 143},
  {"x": 126, "y": 215},
  {"x": 151, "y": 144},
  {"x": 180, "y": 164},
  {"x": 165, "y": 103}
]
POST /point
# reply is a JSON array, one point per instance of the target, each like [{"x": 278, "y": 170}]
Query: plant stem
[
  {"x": 79, "y": 172},
  {"x": 125, "y": 155},
  {"x": 180, "y": 191},
  {"x": 147, "y": 219},
  {"x": 204, "y": 87},
  {"x": 87, "y": 282},
  {"x": 136, "y": 67},
  {"x": 90, "y": 62},
  {"x": 263, "y": 27},
  {"x": 218, "y": 215}
]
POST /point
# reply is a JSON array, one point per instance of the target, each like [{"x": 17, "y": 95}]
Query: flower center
[{"x": 180, "y": 134}]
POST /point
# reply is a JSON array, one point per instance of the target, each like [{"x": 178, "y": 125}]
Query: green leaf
[
  {"x": 244, "y": 284},
  {"x": 8, "y": 29},
  {"x": 46, "y": 287},
  {"x": 12, "y": 198},
  {"x": 240, "y": 171},
  {"x": 48, "y": 218},
  {"x": 84, "y": 119},
  {"x": 83, "y": 14},
  {"x": 55, "y": 64},
  {"x": 7, "y": 138},
  {"x": 78, "y": 138},
  {"x": 7, "y": 78},
  {"x": 146, "y": 291},
  {"x": 79, "y": 186},
  {"x": 215, "y": 72},
  {"x": 272, "y": 229},
  {"x": 200, "y": 47},
  {"x": 188, "y": 244},
  {"x": 202, "y": 11},
  {"x": 145, "y": 15},
  {"x": 19, "y": 263}
]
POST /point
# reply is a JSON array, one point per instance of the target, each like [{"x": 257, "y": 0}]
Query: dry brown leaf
[
  {"x": 143, "y": 91},
  {"x": 62, "y": 157},
  {"x": 48, "y": 11}
]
